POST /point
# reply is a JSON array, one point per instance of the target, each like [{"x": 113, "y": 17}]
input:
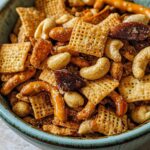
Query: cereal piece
[
  {"x": 16, "y": 80},
  {"x": 97, "y": 18},
  {"x": 106, "y": 122},
  {"x": 13, "y": 57},
  {"x": 68, "y": 81},
  {"x": 41, "y": 105},
  {"x": 140, "y": 63},
  {"x": 40, "y": 52},
  {"x": 111, "y": 21},
  {"x": 69, "y": 124},
  {"x": 141, "y": 114},
  {"x": 97, "y": 71},
  {"x": 30, "y": 19},
  {"x": 12, "y": 98},
  {"x": 128, "y": 6},
  {"x": 88, "y": 39},
  {"x": 48, "y": 75},
  {"x": 127, "y": 69},
  {"x": 22, "y": 35},
  {"x": 59, "y": 131},
  {"x": 134, "y": 90},
  {"x": 131, "y": 31},
  {"x": 116, "y": 70},
  {"x": 95, "y": 91},
  {"x": 55, "y": 8}
]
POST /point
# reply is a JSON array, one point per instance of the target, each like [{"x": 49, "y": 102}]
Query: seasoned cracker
[
  {"x": 55, "y": 8},
  {"x": 97, "y": 90},
  {"x": 22, "y": 35},
  {"x": 110, "y": 124},
  {"x": 41, "y": 105},
  {"x": 30, "y": 19},
  {"x": 58, "y": 130},
  {"x": 88, "y": 39},
  {"x": 111, "y": 21},
  {"x": 48, "y": 75},
  {"x": 13, "y": 57},
  {"x": 134, "y": 90}
]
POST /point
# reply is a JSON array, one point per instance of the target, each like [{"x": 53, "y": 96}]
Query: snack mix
[{"x": 79, "y": 67}]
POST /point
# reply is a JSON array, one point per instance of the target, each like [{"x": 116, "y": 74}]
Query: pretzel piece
[
  {"x": 30, "y": 19},
  {"x": 41, "y": 105},
  {"x": 8, "y": 55},
  {"x": 88, "y": 39},
  {"x": 129, "y": 6},
  {"x": 134, "y": 90},
  {"x": 48, "y": 75}
]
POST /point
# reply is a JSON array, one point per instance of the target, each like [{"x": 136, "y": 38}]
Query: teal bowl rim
[{"x": 26, "y": 129}]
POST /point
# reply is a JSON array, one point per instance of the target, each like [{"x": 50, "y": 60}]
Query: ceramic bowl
[{"x": 130, "y": 140}]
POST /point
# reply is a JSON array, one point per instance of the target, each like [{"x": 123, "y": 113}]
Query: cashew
[
  {"x": 96, "y": 71},
  {"x": 112, "y": 50},
  {"x": 89, "y": 2},
  {"x": 137, "y": 18},
  {"x": 64, "y": 18},
  {"x": 58, "y": 61},
  {"x": 22, "y": 109},
  {"x": 73, "y": 99},
  {"x": 70, "y": 23},
  {"x": 140, "y": 62},
  {"x": 141, "y": 114},
  {"x": 44, "y": 28}
]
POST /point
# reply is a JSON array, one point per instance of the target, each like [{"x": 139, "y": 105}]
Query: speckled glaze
[{"x": 133, "y": 140}]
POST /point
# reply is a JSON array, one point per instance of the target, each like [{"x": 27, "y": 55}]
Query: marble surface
[{"x": 11, "y": 141}]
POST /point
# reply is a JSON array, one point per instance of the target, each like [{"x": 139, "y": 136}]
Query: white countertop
[{"x": 11, "y": 141}]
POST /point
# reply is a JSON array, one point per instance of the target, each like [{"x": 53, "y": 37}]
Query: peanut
[
  {"x": 58, "y": 61},
  {"x": 73, "y": 99}
]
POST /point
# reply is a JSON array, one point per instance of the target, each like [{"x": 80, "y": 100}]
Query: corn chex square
[
  {"x": 88, "y": 39},
  {"x": 54, "y": 8},
  {"x": 134, "y": 90},
  {"x": 110, "y": 124},
  {"x": 30, "y": 18},
  {"x": 13, "y": 57},
  {"x": 97, "y": 90},
  {"x": 48, "y": 75},
  {"x": 41, "y": 105}
]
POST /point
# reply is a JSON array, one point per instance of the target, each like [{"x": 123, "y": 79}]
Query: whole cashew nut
[
  {"x": 140, "y": 62},
  {"x": 141, "y": 114},
  {"x": 44, "y": 28},
  {"x": 58, "y": 61},
  {"x": 73, "y": 99},
  {"x": 96, "y": 71},
  {"x": 70, "y": 23},
  {"x": 112, "y": 50},
  {"x": 64, "y": 18},
  {"x": 137, "y": 18}
]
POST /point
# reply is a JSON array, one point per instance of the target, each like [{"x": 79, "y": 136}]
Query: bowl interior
[{"x": 8, "y": 18}]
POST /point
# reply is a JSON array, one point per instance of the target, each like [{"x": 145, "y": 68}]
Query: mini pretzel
[
  {"x": 121, "y": 104},
  {"x": 124, "y": 5},
  {"x": 59, "y": 105},
  {"x": 80, "y": 62},
  {"x": 16, "y": 80}
]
